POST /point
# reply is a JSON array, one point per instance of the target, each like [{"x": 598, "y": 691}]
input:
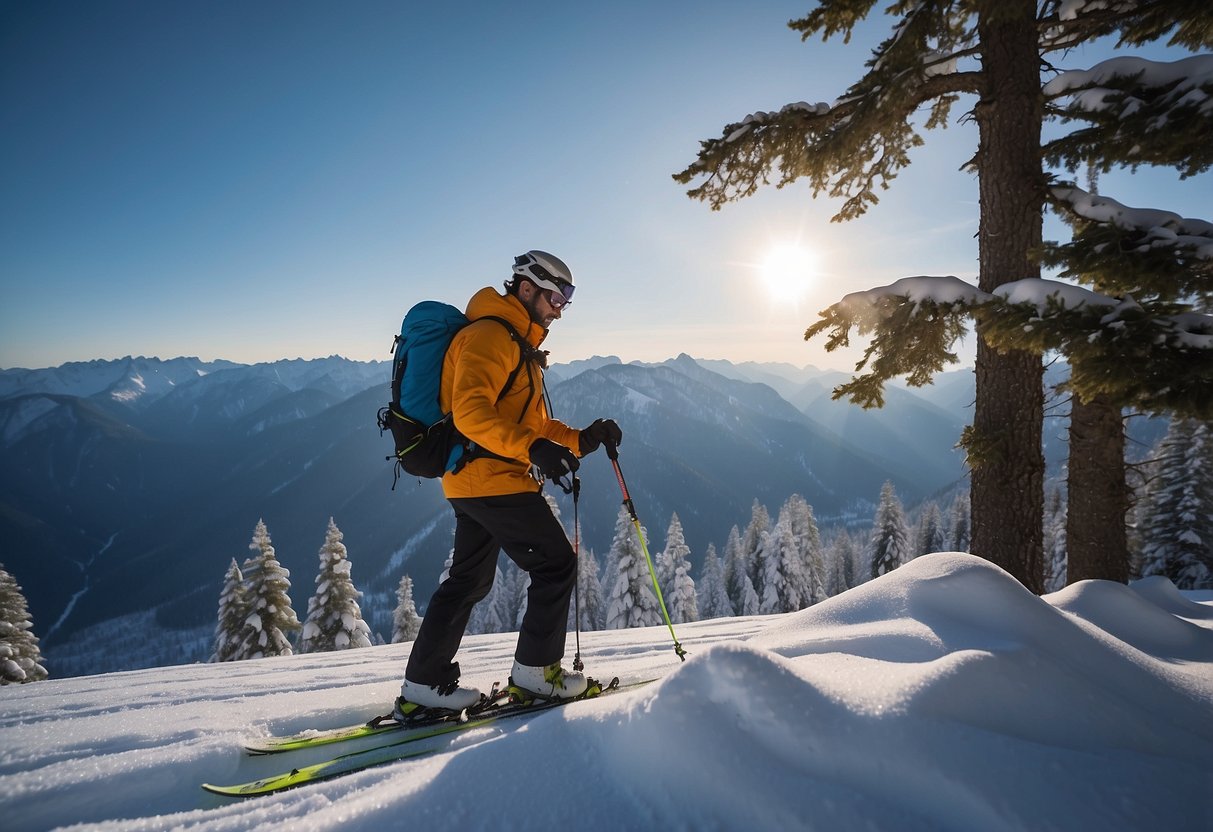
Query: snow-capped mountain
[
  {"x": 115, "y": 505},
  {"x": 131, "y": 381}
]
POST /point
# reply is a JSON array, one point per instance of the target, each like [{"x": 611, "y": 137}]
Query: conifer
[{"x": 20, "y": 656}]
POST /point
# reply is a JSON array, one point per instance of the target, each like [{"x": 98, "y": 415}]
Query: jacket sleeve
[{"x": 481, "y": 367}]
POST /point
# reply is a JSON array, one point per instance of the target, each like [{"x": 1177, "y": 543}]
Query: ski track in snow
[{"x": 941, "y": 696}]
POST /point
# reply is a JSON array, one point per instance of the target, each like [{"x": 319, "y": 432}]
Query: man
[{"x": 496, "y": 493}]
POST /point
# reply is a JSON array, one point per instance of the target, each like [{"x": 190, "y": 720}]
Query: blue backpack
[{"x": 427, "y": 442}]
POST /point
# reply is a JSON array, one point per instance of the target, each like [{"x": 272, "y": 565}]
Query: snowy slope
[{"x": 942, "y": 696}]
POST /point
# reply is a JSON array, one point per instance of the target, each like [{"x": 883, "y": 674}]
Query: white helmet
[{"x": 546, "y": 270}]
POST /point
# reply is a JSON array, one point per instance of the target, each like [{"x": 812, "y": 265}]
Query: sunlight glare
[{"x": 789, "y": 271}]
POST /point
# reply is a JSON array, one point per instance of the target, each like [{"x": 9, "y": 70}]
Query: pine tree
[
  {"x": 405, "y": 622},
  {"x": 1055, "y": 541},
  {"x": 751, "y": 542},
  {"x": 675, "y": 552},
  {"x": 270, "y": 618},
  {"x": 682, "y": 601},
  {"x": 334, "y": 618},
  {"x": 233, "y": 610},
  {"x": 808, "y": 544},
  {"x": 777, "y": 557},
  {"x": 750, "y": 602},
  {"x": 851, "y": 148},
  {"x": 485, "y": 618},
  {"x": 712, "y": 596},
  {"x": 1177, "y": 526},
  {"x": 734, "y": 570},
  {"x": 20, "y": 656},
  {"x": 663, "y": 561},
  {"x": 632, "y": 602},
  {"x": 958, "y": 524},
  {"x": 890, "y": 546},
  {"x": 842, "y": 556},
  {"x": 510, "y": 596},
  {"x": 929, "y": 536},
  {"x": 590, "y": 608}
]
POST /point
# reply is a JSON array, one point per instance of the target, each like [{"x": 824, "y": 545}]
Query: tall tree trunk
[
  {"x": 1096, "y": 544},
  {"x": 1005, "y": 449}
]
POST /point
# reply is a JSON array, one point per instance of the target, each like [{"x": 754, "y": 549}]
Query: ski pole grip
[{"x": 612, "y": 450}]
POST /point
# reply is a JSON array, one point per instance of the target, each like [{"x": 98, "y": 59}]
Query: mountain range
[{"x": 129, "y": 485}]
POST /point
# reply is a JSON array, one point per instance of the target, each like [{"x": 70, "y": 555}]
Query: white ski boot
[
  {"x": 448, "y": 697},
  {"x": 551, "y": 682}
]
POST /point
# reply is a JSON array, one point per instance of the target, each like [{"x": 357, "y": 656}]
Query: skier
[{"x": 496, "y": 495}]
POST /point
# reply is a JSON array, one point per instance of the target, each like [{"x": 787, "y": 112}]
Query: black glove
[
  {"x": 602, "y": 430},
  {"x": 552, "y": 459}
]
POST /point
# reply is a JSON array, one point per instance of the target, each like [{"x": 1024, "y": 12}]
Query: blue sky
[{"x": 266, "y": 180}]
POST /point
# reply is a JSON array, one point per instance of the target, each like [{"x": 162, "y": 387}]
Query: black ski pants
[{"x": 524, "y": 526}]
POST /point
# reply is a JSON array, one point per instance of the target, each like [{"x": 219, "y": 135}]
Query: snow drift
[{"x": 941, "y": 696}]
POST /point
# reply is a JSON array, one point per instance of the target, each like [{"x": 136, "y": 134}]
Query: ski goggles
[{"x": 560, "y": 293}]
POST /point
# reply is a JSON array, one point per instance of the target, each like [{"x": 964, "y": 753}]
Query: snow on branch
[
  {"x": 1155, "y": 357},
  {"x": 915, "y": 323},
  {"x": 1139, "y": 112},
  {"x": 1152, "y": 227},
  {"x": 1186, "y": 82}
]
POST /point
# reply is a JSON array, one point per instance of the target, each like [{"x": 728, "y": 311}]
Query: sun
[{"x": 789, "y": 271}]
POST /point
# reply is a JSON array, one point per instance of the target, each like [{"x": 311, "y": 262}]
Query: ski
[
  {"x": 374, "y": 727},
  {"x": 403, "y": 748}
]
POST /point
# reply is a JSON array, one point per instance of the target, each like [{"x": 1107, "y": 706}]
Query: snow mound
[
  {"x": 1148, "y": 620},
  {"x": 1163, "y": 594}
]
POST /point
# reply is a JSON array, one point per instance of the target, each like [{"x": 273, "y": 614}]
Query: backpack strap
[{"x": 527, "y": 353}]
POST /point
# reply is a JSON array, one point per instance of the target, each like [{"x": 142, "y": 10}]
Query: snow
[
  {"x": 1189, "y": 75},
  {"x": 1156, "y": 228},
  {"x": 940, "y": 696}
]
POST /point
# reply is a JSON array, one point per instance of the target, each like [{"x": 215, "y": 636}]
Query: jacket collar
[{"x": 488, "y": 302}]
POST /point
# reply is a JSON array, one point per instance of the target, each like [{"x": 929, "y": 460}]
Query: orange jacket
[{"x": 478, "y": 362}]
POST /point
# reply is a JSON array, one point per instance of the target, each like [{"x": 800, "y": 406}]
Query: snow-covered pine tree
[
  {"x": 334, "y": 618},
  {"x": 751, "y": 541},
  {"x": 808, "y": 544},
  {"x": 20, "y": 655},
  {"x": 485, "y": 618},
  {"x": 631, "y": 602},
  {"x": 675, "y": 549},
  {"x": 233, "y": 610},
  {"x": 959, "y": 538},
  {"x": 664, "y": 565},
  {"x": 712, "y": 596},
  {"x": 777, "y": 556},
  {"x": 1177, "y": 523},
  {"x": 842, "y": 555},
  {"x": 271, "y": 618},
  {"x": 405, "y": 621},
  {"x": 928, "y": 535},
  {"x": 682, "y": 604},
  {"x": 751, "y": 604},
  {"x": 889, "y": 547},
  {"x": 589, "y": 607},
  {"x": 508, "y": 595},
  {"x": 735, "y": 570},
  {"x": 1055, "y": 540},
  {"x": 1150, "y": 268}
]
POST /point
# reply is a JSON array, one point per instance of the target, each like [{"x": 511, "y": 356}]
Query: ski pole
[
  {"x": 578, "y": 665},
  {"x": 613, "y": 454}
]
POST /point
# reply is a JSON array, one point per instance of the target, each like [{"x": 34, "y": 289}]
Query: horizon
[{"x": 959, "y": 367}]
